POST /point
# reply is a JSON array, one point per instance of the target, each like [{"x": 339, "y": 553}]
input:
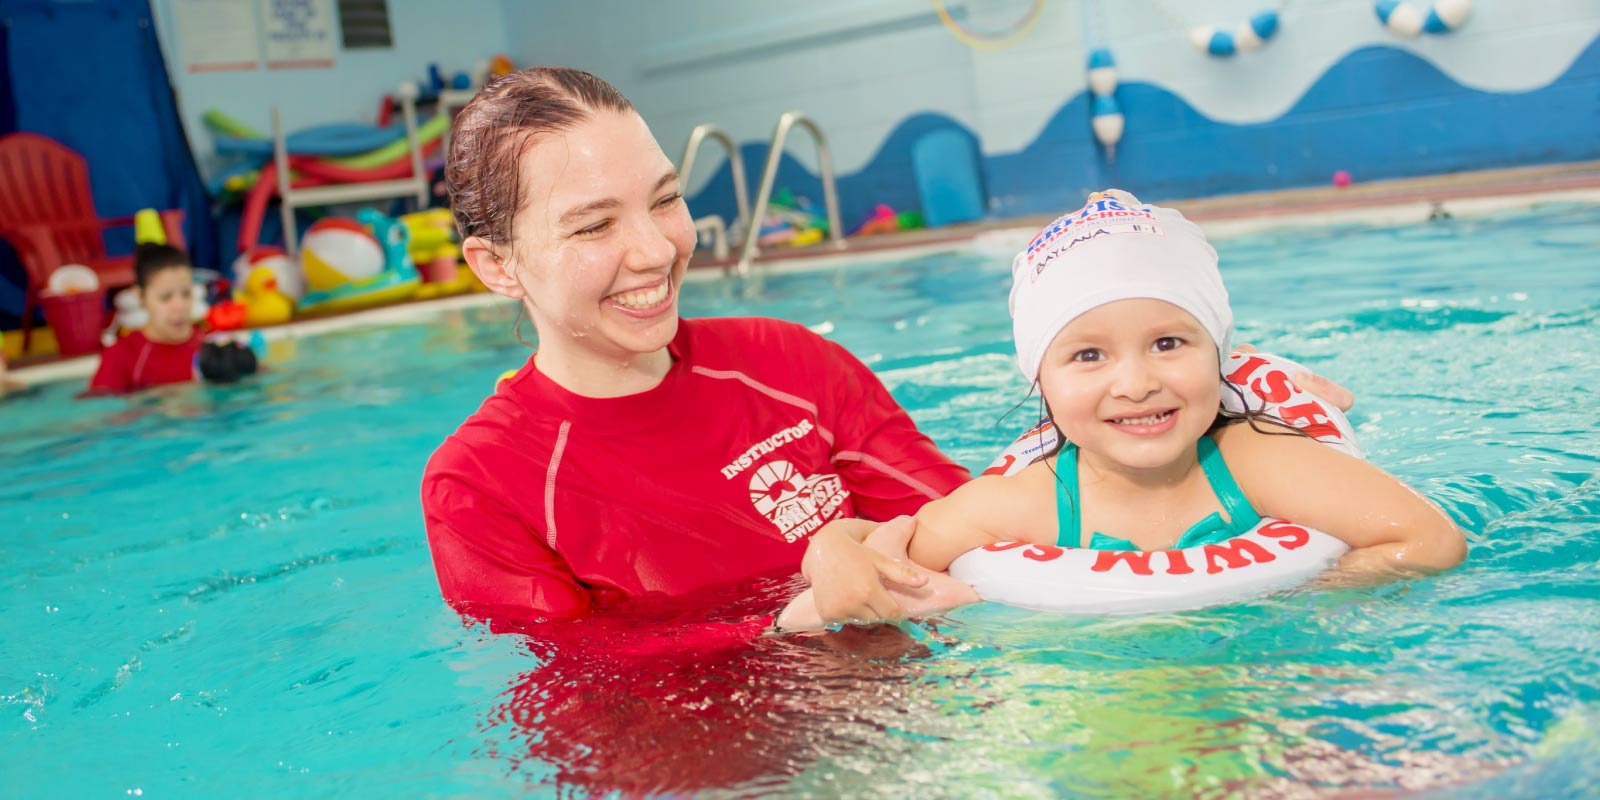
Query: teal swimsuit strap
[
  {"x": 1241, "y": 515},
  {"x": 1069, "y": 521}
]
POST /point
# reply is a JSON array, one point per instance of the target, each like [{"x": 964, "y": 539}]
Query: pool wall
[{"x": 1332, "y": 90}]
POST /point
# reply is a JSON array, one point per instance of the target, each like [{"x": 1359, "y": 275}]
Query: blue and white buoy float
[
  {"x": 1408, "y": 20},
  {"x": 1242, "y": 38},
  {"x": 1105, "y": 115}
]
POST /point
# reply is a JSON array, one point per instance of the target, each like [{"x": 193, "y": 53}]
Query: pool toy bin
[{"x": 77, "y": 318}]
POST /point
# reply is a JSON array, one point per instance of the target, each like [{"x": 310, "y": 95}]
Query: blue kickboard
[{"x": 949, "y": 178}]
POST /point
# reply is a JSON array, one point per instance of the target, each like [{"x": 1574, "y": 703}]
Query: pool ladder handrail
[
  {"x": 769, "y": 175},
  {"x": 698, "y": 136}
]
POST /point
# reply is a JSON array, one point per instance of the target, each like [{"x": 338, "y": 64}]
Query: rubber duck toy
[{"x": 263, "y": 303}]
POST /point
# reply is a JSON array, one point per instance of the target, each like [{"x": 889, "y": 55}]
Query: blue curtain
[
  {"x": 12, "y": 277},
  {"x": 89, "y": 74}
]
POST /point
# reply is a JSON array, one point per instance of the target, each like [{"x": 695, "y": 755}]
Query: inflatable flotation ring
[{"x": 1273, "y": 555}]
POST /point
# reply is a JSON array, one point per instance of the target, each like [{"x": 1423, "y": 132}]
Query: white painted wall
[{"x": 861, "y": 66}]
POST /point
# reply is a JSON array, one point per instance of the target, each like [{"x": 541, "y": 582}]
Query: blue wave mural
[{"x": 1380, "y": 112}]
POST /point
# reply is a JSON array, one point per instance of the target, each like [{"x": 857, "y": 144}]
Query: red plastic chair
[{"x": 47, "y": 214}]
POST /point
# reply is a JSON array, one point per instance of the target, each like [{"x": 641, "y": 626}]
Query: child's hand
[{"x": 1325, "y": 388}]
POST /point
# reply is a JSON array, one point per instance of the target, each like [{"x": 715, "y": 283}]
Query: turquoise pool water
[{"x": 226, "y": 591}]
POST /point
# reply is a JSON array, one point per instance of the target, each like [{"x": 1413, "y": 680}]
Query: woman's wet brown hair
[{"x": 489, "y": 136}]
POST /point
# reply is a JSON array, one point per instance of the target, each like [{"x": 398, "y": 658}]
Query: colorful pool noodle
[
  {"x": 234, "y": 132},
  {"x": 428, "y": 133},
  {"x": 342, "y": 139},
  {"x": 312, "y": 172}
]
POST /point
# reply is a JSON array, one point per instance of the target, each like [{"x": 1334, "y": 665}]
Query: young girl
[
  {"x": 1121, "y": 318},
  {"x": 163, "y": 351}
]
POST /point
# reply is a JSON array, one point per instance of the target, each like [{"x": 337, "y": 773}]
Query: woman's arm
[
  {"x": 1388, "y": 525},
  {"x": 490, "y": 564},
  {"x": 889, "y": 466}
]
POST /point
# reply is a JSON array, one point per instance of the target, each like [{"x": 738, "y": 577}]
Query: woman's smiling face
[{"x": 602, "y": 239}]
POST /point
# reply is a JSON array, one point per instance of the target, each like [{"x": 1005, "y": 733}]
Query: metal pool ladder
[
  {"x": 714, "y": 224},
  {"x": 830, "y": 195}
]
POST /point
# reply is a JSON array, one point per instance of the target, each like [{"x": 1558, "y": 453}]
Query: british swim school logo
[
  {"x": 1106, "y": 214},
  {"x": 798, "y": 504},
  {"x": 794, "y": 432}
]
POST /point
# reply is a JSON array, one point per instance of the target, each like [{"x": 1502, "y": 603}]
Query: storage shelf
[
  {"x": 355, "y": 192},
  {"x": 290, "y": 198}
]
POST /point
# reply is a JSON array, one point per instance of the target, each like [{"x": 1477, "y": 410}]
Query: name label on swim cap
[{"x": 1104, "y": 215}]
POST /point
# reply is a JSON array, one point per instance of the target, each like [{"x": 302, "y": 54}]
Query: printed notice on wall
[
  {"x": 217, "y": 35},
  {"x": 299, "y": 33}
]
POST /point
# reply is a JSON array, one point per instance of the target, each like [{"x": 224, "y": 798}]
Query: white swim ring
[{"x": 1273, "y": 555}]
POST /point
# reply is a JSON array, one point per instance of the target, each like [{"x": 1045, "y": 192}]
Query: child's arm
[
  {"x": 1388, "y": 525},
  {"x": 986, "y": 510}
]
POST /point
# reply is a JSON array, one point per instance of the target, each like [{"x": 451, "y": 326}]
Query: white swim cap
[{"x": 1114, "y": 248}]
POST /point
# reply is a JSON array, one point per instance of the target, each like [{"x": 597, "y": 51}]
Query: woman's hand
[
  {"x": 848, "y": 578},
  {"x": 931, "y": 592},
  {"x": 1325, "y": 388}
]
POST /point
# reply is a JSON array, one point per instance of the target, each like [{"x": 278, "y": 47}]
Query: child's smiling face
[{"x": 1133, "y": 383}]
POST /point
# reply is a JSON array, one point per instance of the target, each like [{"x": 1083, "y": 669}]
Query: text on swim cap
[{"x": 1102, "y": 216}]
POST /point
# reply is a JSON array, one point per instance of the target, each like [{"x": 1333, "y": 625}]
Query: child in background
[{"x": 163, "y": 351}]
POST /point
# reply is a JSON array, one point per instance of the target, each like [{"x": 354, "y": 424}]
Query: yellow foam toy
[
  {"x": 263, "y": 303},
  {"x": 147, "y": 227}
]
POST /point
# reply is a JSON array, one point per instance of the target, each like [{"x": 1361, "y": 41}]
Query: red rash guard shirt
[
  {"x": 136, "y": 363},
  {"x": 545, "y": 502}
]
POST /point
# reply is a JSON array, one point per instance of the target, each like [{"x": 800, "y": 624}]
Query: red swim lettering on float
[
  {"x": 1137, "y": 560},
  {"x": 1043, "y": 552},
  {"x": 1250, "y": 365},
  {"x": 1000, "y": 469},
  {"x": 1035, "y": 552},
  {"x": 1288, "y": 535},
  {"x": 1236, "y": 553},
  {"x": 1001, "y": 547},
  {"x": 1278, "y": 387},
  {"x": 1316, "y": 423},
  {"x": 1178, "y": 563}
]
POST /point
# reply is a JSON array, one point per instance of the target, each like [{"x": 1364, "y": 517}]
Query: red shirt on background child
[{"x": 136, "y": 362}]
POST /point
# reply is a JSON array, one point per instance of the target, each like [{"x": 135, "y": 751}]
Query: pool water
[{"x": 227, "y": 591}]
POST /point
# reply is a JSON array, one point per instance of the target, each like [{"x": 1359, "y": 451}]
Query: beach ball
[
  {"x": 290, "y": 280},
  {"x": 338, "y": 251}
]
